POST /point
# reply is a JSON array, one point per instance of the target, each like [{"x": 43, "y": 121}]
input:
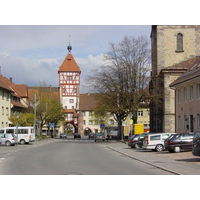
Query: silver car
[
  {"x": 8, "y": 139},
  {"x": 99, "y": 136}
]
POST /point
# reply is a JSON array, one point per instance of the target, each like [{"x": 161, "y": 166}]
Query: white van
[
  {"x": 155, "y": 141},
  {"x": 25, "y": 134}
]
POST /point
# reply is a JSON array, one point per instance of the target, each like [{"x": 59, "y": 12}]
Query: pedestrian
[{"x": 108, "y": 137}]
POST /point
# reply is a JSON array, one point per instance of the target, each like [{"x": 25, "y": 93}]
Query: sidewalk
[{"x": 183, "y": 163}]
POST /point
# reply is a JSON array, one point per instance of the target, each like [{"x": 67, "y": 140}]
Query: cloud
[
  {"x": 32, "y": 54},
  {"x": 32, "y": 72}
]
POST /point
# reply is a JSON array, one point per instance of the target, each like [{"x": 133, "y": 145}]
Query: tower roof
[{"x": 69, "y": 65}]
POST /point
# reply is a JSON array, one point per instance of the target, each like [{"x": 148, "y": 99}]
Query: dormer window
[{"x": 179, "y": 42}]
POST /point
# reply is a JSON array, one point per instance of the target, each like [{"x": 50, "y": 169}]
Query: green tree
[
  {"x": 25, "y": 119},
  {"x": 48, "y": 107}
]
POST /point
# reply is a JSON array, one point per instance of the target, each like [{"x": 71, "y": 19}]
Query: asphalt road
[{"x": 70, "y": 157}]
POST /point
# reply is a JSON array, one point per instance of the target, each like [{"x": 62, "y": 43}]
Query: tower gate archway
[{"x": 70, "y": 128}]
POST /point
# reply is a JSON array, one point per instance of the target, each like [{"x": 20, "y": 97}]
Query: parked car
[
  {"x": 139, "y": 142},
  {"x": 99, "y": 136},
  {"x": 196, "y": 144},
  {"x": 8, "y": 139},
  {"x": 91, "y": 135},
  {"x": 77, "y": 135},
  {"x": 155, "y": 141},
  {"x": 63, "y": 135},
  {"x": 133, "y": 140},
  {"x": 114, "y": 134},
  {"x": 179, "y": 141}
]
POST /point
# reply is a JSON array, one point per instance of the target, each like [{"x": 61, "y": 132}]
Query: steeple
[
  {"x": 69, "y": 47},
  {"x": 69, "y": 64}
]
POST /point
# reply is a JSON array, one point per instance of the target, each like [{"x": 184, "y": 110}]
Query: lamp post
[{"x": 17, "y": 117}]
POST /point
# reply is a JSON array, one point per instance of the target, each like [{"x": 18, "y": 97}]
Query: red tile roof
[
  {"x": 192, "y": 72},
  {"x": 69, "y": 65},
  {"x": 3, "y": 84},
  {"x": 186, "y": 64},
  {"x": 54, "y": 91},
  {"x": 88, "y": 101}
]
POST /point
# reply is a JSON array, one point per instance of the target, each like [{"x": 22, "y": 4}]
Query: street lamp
[{"x": 17, "y": 117}]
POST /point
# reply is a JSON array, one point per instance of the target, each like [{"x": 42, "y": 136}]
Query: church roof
[
  {"x": 69, "y": 65},
  {"x": 184, "y": 65},
  {"x": 192, "y": 72}
]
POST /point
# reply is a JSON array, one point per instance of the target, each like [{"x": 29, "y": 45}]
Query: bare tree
[{"x": 124, "y": 77}]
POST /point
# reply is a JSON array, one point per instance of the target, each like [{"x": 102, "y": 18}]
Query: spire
[{"x": 69, "y": 48}]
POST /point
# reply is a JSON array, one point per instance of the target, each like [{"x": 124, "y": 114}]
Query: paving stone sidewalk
[{"x": 183, "y": 163}]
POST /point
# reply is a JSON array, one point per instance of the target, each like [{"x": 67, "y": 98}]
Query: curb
[{"x": 146, "y": 162}]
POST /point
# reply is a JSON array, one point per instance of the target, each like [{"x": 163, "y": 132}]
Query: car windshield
[
  {"x": 141, "y": 136},
  {"x": 99, "y": 134},
  {"x": 170, "y": 137},
  {"x": 175, "y": 136},
  {"x": 197, "y": 135}
]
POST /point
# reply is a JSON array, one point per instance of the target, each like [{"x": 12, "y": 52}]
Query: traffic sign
[
  {"x": 102, "y": 126},
  {"x": 51, "y": 125}
]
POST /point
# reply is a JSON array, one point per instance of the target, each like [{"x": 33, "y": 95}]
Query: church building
[{"x": 171, "y": 45}]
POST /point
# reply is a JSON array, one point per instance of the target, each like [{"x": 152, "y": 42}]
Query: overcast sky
[{"x": 33, "y": 54}]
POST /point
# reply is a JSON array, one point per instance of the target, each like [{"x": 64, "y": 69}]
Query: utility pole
[{"x": 35, "y": 114}]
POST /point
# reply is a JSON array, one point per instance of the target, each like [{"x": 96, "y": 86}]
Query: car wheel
[
  {"x": 8, "y": 143},
  {"x": 22, "y": 141},
  {"x": 95, "y": 140},
  {"x": 177, "y": 149},
  {"x": 159, "y": 147}
]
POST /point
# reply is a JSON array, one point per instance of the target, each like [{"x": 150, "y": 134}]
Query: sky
[
  {"x": 32, "y": 54},
  {"x": 34, "y": 37}
]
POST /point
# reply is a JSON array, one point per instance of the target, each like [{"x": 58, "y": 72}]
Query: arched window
[{"x": 179, "y": 42}]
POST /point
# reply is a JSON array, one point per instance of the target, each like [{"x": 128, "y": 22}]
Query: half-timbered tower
[{"x": 69, "y": 82}]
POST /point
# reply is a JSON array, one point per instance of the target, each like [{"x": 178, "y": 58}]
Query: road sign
[
  {"x": 51, "y": 125},
  {"x": 102, "y": 126}
]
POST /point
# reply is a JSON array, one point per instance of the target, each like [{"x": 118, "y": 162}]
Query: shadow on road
[{"x": 189, "y": 160}]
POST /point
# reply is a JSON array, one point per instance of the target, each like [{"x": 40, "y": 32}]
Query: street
[{"x": 71, "y": 157}]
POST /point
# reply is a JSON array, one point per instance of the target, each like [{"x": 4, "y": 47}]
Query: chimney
[{"x": 10, "y": 78}]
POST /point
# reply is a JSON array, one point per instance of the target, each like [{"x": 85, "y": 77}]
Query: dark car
[
  {"x": 178, "y": 142},
  {"x": 63, "y": 135},
  {"x": 133, "y": 140},
  {"x": 196, "y": 144},
  {"x": 91, "y": 135},
  {"x": 139, "y": 142},
  {"x": 77, "y": 135}
]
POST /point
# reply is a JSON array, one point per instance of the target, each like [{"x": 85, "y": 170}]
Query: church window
[{"x": 179, "y": 42}]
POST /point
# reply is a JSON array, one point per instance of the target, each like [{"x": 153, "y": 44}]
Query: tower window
[{"x": 179, "y": 42}]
